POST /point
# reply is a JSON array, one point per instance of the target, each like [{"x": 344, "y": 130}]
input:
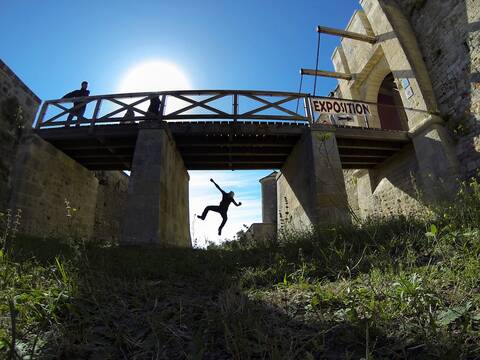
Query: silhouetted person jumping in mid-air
[
  {"x": 222, "y": 208},
  {"x": 80, "y": 110}
]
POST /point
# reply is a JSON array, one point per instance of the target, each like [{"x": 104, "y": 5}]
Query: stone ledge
[
  {"x": 423, "y": 125},
  {"x": 10, "y": 73}
]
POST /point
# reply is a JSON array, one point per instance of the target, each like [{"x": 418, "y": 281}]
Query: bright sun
[{"x": 155, "y": 75}]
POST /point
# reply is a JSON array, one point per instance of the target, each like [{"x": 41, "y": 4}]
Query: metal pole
[
  {"x": 235, "y": 107},
  {"x": 306, "y": 105},
  {"x": 95, "y": 115},
  {"x": 41, "y": 115},
  {"x": 316, "y": 66},
  {"x": 162, "y": 106},
  {"x": 299, "y": 91}
]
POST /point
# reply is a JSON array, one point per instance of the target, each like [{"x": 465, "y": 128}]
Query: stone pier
[
  {"x": 310, "y": 186},
  {"x": 438, "y": 164},
  {"x": 157, "y": 206}
]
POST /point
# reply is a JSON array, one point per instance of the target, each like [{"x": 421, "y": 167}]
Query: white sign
[
  {"x": 337, "y": 106},
  {"x": 409, "y": 92}
]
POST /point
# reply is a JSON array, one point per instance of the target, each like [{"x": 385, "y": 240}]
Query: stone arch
[
  {"x": 370, "y": 88},
  {"x": 402, "y": 53},
  {"x": 406, "y": 41}
]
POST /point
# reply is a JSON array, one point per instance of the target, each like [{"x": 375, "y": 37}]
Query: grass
[{"x": 406, "y": 288}]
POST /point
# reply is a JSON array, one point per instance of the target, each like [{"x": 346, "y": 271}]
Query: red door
[{"x": 389, "y": 118}]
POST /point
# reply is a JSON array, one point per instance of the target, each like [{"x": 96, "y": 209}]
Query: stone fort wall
[
  {"x": 110, "y": 205},
  {"x": 59, "y": 198},
  {"x": 18, "y": 106},
  {"x": 435, "y": 45},
  {"x": 46, "y": 182},
  {"x": 394, "y": 187},
  {"x": 40, "y": 180},
  {"x": 448, "y": 33}
]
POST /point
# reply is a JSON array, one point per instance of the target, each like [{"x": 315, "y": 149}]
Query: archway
[{"x": 390, "y": 106}]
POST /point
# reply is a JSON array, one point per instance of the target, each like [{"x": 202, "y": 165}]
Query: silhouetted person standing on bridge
[
  {"x": 222, "y": 208},
  {"x": 80, "y": 110},
  {"x": 154, "y": 107}
]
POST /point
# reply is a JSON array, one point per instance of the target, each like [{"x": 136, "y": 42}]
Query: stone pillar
[
  {"x": 311, "y": 187},
  {"x": 438, "y": 164},
  {"x": 269, "y": 198},
  {"x": 157, "y": 205}
]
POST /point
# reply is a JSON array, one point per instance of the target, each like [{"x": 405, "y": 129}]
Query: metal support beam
[
  {"x": 347, "y": 34},
  {"x": 330, "y": 74}
]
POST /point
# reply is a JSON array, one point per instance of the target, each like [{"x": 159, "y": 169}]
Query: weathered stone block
[
  {"x": 157, "y": 206},
  {"x": 41, "y": 196},
  {"x": 310, "y": 187}
]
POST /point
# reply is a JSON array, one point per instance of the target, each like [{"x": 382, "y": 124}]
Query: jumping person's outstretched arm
[{"x": 218, "y": 187}]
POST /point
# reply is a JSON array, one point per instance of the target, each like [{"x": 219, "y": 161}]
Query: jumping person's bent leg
[
  {"x": 224, "y": 217},
  {"x": 207, "y": 209}
]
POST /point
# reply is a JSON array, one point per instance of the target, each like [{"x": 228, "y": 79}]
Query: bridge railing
[
  {"x": 189, "y": 105},
  {"x": 223, "y": 105}
]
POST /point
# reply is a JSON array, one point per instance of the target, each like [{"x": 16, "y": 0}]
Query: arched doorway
[{"x": 390, "y": 106}]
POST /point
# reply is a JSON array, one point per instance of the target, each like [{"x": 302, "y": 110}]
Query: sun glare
[{"x": 155, "y": 75}]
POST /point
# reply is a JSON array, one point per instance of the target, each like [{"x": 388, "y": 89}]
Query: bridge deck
[{"x": 221, "y": 145}]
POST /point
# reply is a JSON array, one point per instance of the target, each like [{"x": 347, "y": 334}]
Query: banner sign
[{"x": 336, "y": 106}]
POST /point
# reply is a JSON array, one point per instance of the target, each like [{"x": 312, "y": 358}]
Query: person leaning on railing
[
  {"x": 78, "y": 109},
  {"x": 154, "y": 107}
]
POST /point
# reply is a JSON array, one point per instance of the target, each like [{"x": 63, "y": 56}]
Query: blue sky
[{"x": 261, "y": 45}]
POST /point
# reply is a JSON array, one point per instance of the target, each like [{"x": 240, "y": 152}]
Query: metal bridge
[{"x": 213, "y": 129}]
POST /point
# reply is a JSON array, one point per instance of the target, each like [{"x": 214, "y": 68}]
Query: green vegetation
[{"x": 393, "y": 288}]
